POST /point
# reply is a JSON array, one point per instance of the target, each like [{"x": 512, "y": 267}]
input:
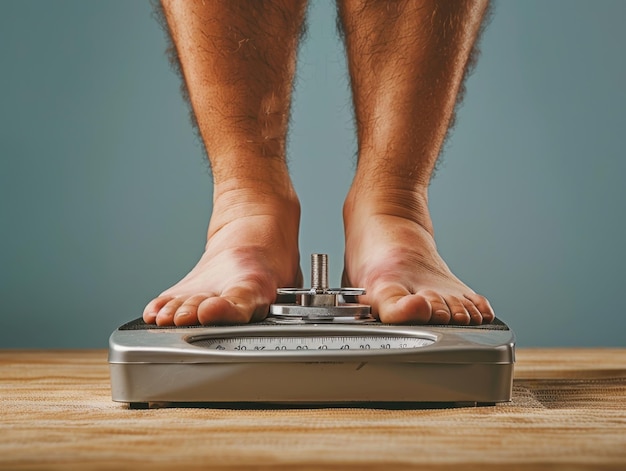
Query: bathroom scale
[{"x": 316, "y": 346}]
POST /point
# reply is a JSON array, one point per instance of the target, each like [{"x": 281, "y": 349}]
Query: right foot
[{"x": 251, "y": 250}]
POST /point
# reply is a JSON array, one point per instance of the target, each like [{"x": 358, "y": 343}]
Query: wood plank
[
  {"x": 540, "y": 363},
  {"x": 568, "y": 412}
]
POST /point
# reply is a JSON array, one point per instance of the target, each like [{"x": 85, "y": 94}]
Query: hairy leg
[
  {"x": 238, "y": 61},
  {"x": 407, "y": 60}
]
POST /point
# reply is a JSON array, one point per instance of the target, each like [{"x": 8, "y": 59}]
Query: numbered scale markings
[{"x": 312, "y": 343}]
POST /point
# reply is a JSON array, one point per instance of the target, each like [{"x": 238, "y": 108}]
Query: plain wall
[{"x": 105, "y": 196}]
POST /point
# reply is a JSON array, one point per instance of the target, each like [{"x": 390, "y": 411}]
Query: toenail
[{"x": 182, "y": 314}]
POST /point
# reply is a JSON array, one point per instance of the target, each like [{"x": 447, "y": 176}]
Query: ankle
[
  {"x": 249, "y": 166},
  {"x": 252, "y": 197},
  {"x": 239, "y": 175},
  {"x": 388, "y": 200},
  {"x": 243, "y": 199}
]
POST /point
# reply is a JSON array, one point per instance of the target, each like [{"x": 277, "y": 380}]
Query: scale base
[{"x": 155, "y": 366}]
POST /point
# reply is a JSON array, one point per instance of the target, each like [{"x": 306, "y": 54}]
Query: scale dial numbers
[{"x": 312, "y": 343}]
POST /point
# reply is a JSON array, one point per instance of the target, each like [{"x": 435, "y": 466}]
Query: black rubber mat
[{"x": 139, "y": 324}]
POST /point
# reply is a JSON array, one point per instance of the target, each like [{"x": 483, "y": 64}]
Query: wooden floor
[{"x": 568, "y": 412}]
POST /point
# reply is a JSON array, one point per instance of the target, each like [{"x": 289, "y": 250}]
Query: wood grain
[{"x": 568, "y": 412}]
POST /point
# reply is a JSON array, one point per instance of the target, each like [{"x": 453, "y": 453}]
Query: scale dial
[{"x": 313, "y": 343}]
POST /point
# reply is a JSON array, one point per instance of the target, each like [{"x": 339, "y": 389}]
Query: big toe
[
  {"x": 236, "y": 306},
  {"x": 396, "y": 305}
]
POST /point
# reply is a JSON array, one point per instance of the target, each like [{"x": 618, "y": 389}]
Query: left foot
[{"x": 391, "y": 252}]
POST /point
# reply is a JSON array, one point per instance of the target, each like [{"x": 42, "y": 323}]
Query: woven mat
[{"x": 56, "y": 413}]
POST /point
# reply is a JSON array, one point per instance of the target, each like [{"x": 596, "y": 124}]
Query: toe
[
  {"x": 187, "y": 313},
  {"x": 483, "y": 306},
  {"x": 235, "y": 306},
  {"x": 229, "y": 310},
  {"x": 440, "y": 311},
  {"x": 165, "y": 315},
  {"x": 215, "y": 310},
  {"x": 153, "y": 308},
  {"x": 458, "y": 313},
  {"x": 396, "y": 305},
  {"x": 475, "y": 315}
]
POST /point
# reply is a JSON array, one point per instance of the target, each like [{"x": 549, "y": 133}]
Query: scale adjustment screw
[
  {"x": 319, "y": 302},
  {"x": 319, "y": 272}
]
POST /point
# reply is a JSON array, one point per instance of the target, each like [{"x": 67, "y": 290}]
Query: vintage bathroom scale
[{"x": 314, "y": 347}]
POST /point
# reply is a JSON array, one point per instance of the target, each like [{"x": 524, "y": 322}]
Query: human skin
[{"x": 407, "y": 60}]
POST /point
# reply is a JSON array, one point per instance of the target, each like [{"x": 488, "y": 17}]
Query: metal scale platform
[{"x": 315, "y": 347}]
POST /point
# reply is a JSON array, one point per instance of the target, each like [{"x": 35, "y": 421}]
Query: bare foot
[
  {"x": 251, "y": 250},
  {"x": 391, "y": 252}
]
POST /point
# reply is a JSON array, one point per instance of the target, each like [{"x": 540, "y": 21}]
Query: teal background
[{"x": 105, "y": 196}]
